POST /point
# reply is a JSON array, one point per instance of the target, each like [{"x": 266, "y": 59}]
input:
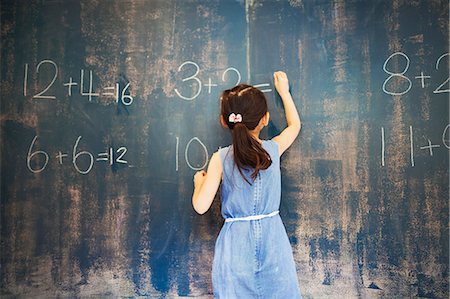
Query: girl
[{"x": 253, "y": 257}]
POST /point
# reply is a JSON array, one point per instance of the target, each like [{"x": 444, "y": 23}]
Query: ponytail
[
  {"x": 248, "y": 152},
  {"x": 242, "y": 108}
]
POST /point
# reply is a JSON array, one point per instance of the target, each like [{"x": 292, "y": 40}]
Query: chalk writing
[
  {"x": 60, "y": 157},
  {"x": 411, "y": 145},
  {"x": 31, "y": 155},
  {"x": 401, "y": 89},
  {"x": 78, "y": 156},
  {"x": 232, "y": 69},
  {"x": 446, "y": 139},
  {"x": 109, "y": 156},
  {"x": 45, "y": 93},
  {"x": 193, "y": 77},
  {"x": 438, "y": 89},
  {"x": 186, "y": 152},
  {"x": 263, "y": 85},
  {"x": 70, "y": 84},
  {"x": 196, "y": 81},
  {"x": 209, "y": 85},
  {"x": 176, "y": 153},
  {"x": 126, "y": 98},
  {"x": 429, "y": 147},
  {"x": 422, "y": 78},
  {"x": 40, "y": 95},
  {"x": 90, "y": 93},
  {"x": 25, "y": 80},
  {"x": 382, "y": 147},
  {"x": 396, "y": 75}
]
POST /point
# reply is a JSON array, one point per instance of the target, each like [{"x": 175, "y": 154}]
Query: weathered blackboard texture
[{"x": 108, "y": 107}]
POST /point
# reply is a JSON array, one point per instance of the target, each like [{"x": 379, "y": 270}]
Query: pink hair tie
[{"x": 235, "y": 118}]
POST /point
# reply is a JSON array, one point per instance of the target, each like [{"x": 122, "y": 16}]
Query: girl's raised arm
[
  {"x": 288, "y": 135},
  {"x": 206, "y": 185}
]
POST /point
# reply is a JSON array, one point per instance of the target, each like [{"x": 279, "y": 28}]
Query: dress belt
[{"x": 253, "y": 217}]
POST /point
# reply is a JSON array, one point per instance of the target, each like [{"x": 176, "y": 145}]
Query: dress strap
[{"x": 253, "y": 217}]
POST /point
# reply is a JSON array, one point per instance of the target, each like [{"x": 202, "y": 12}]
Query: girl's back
[
  {"x": 253, "y": 256},
  {"x": 240, "y": 199}
]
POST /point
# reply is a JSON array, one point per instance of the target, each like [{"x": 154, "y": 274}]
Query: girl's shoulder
[
  {"x": 224, "y": 151},
  {"x": 272, "y": 147}
]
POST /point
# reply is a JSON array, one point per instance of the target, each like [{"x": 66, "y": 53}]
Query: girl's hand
[
  {"x": 281, "y": 82},
  {"x": 199, "y": 178}
]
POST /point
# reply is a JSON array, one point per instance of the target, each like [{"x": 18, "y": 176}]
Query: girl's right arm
[{"x": 288, "y": 135}]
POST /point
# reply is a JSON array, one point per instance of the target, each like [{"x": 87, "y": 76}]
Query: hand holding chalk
[
  {"x": 281, "y": 82},
  {"x": 199, "y": 178}
]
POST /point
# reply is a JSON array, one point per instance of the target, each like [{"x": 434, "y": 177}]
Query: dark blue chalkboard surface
[{"x": 109, "y": 107}]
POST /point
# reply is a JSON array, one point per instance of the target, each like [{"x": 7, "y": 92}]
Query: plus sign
[
  {"x": 60, "y": 157},
  {"x": 209, "y": 85},
  {"x": 69, "y": 84},
  {"x": 430, "y": 147},
  {"x": 422, "y": 78}
]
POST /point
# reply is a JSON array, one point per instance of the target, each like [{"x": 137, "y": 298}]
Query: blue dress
[{"x": 253, "y": 257}]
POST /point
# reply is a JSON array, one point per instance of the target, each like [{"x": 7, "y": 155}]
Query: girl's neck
[{"x": 255, "y": 134}]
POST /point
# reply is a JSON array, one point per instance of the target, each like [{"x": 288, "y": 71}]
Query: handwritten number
[
  {"x": 76, "y": 155},
  {"x": 124, "y": 151},
  {"x": 41, "y": 95},
  {"x": 31, "y": 155},
  {"x": 193, "y": 77},
  {"x": 398, "y": 75},
  {"x": 25, "y": 80},
  {"x": 438, "y": 89},
  {"x": 187, "y": 150},
  {"x": 234, "y": 70},
  {"x": 126, "y": 96}
]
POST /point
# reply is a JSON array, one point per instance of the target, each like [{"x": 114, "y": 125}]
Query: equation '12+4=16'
[{"x": 85, "y": 88}]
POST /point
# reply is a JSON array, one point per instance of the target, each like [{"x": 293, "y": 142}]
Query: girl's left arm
[{"x": 206, "y": 185}]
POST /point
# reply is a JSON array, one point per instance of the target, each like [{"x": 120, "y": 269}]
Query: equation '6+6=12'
[{"x": 109, "y": 156}]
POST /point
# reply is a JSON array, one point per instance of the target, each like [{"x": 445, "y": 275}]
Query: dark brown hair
[{"x": 251, "y": 104}]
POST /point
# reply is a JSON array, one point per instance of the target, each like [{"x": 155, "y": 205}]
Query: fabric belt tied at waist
[{"x": 253, "y": 217}]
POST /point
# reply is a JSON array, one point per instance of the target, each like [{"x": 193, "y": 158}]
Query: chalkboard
[{"x": 109, "y": 107}]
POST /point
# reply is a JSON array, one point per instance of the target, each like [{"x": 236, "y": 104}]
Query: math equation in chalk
[
  {"x": 85, "y": 86},
  {"x": 194, "y": 83},
  {"x": 427, "y": 145},
  {"x": 82, "y": 160},
  {"x": 397, "y": 83}
]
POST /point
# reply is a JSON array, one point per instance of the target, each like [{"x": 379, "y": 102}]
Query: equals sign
[
  {"x": 114, "y": 94},
  {"x": 263, "y": 85},
  {"x": 106, "y": 156}
]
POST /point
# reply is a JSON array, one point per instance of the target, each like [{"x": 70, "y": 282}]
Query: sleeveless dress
[{"x": 253, "y": 257}]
